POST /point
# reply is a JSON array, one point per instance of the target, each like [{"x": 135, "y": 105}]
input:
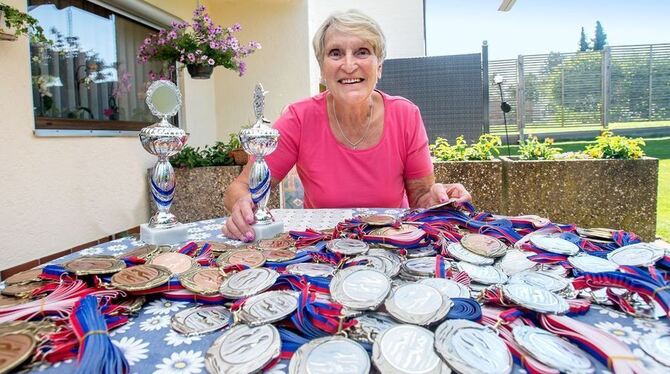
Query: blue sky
[{"x": 540, "y": 26}]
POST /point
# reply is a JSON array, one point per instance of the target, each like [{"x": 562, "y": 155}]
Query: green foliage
[
  {"x": 485, "y": 149},
  {"x": 533, "y": 149},
  {"x": 190, "y": 157},
  {"x": 233, "y": 141},
  {"x": 619, "y": 147},
  {"x": 600, "y": 40},
  {"x": 583, "y": 44},
  {"x": 23, "y": 24}
]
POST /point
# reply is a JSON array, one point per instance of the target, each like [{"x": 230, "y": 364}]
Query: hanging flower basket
[{"x": 200, "y": 71}]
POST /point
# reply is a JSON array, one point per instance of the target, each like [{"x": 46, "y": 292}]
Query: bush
[
  {"x": 617, "y": 147},
  {"x": 532, "y": 149},
  {"x": 485, "y": 149},
  {"x": 189, "y": 157}
]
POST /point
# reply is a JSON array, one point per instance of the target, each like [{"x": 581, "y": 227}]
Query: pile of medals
[{"x": 434, "y": 291}]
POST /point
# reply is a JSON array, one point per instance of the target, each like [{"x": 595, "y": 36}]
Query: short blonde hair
[{"x": 351, "y": 22}]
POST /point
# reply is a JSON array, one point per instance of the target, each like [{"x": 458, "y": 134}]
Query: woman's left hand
[{"x": 440, "y": 193}]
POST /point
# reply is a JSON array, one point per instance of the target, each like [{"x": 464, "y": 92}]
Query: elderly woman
[{"x": 353, "y": 145}]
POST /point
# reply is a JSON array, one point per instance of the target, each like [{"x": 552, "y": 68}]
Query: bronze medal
[
  {"x": 204, "y": 281},
  {"x": 132, "y": 304},
  {"x": 90, "y": 265},
  {"x": 15, "y": 348},
  {"x": 177, "y": 263},
  {"x": 247, "y": 257},
  {"x": 27, "y": 276},
  {"x": 218, "y": 247},
  {"x": 143, "y": 252},
  {"x": 279, "y": 255},
  {"x": 9, "y": 301},
  {"x": 22, "y": 290},
  {"x": 390, "y": 231},
  {"x": 483, "y": 245},
  {"x": 277, "y": 243},
  {"x": 141, "y": 277},
  {"x": 378, "y": 219}
]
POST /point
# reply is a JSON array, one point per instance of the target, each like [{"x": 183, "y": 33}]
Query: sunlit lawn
[{"x": 658, "y": 148}]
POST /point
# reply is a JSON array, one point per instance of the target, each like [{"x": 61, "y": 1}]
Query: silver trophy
[
  {"x": 259, "y": 141},
  {"x": 163, "y": 140}
]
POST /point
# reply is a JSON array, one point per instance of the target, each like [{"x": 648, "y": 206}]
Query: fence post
[
  {"x": 520, "y": 97},
  {"x": 485, "y": 88},
  {"x": 605, "y": 72}
]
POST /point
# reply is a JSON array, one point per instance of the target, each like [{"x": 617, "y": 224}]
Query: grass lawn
[{"x": 658, "y": 148}]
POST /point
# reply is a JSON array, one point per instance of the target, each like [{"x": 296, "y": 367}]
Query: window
[{"x": 89, "y": 79}]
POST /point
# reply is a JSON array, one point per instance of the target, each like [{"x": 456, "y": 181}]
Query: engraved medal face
[
  {"x": 143, "y": 252},
  {"x": 421, "y": 252},
  {"x": 177, "y": 263},
  {"x": 201, "y": 320},
  {"x": 483, "y": 274},
  {"x": 370, "y": 325},
  {"x": 247, "y": 257},
  {"x": 483, "y": 245},
  {"x": 469, "y": 347},
  {"x": 417, "y": 304},
  {"x": 311, "y": 269},
  {"x": 14, "y": 349},
  {"x": 277, "y": 243},
  {"x": 278, "y": 255},
  {"x": 203, "y": 281},
  {"x": 248, "y": 282},
  {"x": 554, "y": 245},
  {"x": 243, "y": 349},
  {"x": 547, "y": 281},
  {"x": 360, "y": 288},
  {"x": 596, "y": 232},
  {"x": 592, "y": 264},
  {"x": 457, "y": 251},
  {"x": 391, "y": 260},
  {"x": 347, "y": 247},
  {"x": 27, "y": 276},
  {"x": 405, "y": 349},
  {"x": 447, "y": 287},
  {"x": 552, "y": 350},
  {"x": 657, "y": 346},
  {"x": 332, "y": 354},
  {"x": 8, "y": 301},
  {"x": 422, "y": 266},
  {"x": 268, "y": 307},
  {"x": 537, "y": 299},
  {"x": 22, "y": 290},
  {"x": 369, "y": 261},
  {"x": 378, "y": 219},
  {"x": 141, "y": 277},
  {"x": 87, "y": 265},
  {"x": 516, "y": 261},
  {"x": 219, "y": 247},
  {"x": 640, "y": 254}
]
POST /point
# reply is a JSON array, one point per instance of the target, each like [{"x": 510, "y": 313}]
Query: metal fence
[{"x": 618, "y": 84}]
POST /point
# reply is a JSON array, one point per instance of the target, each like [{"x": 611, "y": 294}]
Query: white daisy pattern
[
  {"x": 212, "y": 227},
  {"x": 121, "y": 329},
  {"x": 117, "y": 247},
  {"x": 208, "y": 221},
  {"x": 184, "y": 362},
  {"x": 614, "y": 314},
  {"x": 176, "y": 339},
  {"x": 164, "y": 306},
  {"x": 199, "y": 236},
  {"x": 190, "y": 224},
  {"x": 136, "y": 243},
  {"x": 646, "y": 325},
  {"x": 649, "y": 362},
  {"x": 155, "y": 323},
  {"x": 624, "y": 333},
  {"x": 90, "y": 251},
  {"x": 195, "y": 229},
  {"x": 135, "y": 350}
]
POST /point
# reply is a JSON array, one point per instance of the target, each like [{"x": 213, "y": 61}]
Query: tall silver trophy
[
  {"x": 163, "y": 140},
  {"x": 259, "y": 141}
]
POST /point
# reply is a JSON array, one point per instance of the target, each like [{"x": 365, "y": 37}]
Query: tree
[
  {"x": 600, "y": 40},
  {"x": 583, "y": 44}
]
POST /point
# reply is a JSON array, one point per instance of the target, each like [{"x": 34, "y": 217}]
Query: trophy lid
[{"x": 163, "y": 99}]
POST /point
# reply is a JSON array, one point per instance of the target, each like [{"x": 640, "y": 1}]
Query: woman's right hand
[{"x": 238, "y": 225}]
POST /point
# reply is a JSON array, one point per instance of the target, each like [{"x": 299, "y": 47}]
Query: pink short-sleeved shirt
[{"x": 334, "y": 176}]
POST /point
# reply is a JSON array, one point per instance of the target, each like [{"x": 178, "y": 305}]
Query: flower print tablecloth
[{"x": 151, "y": 346}]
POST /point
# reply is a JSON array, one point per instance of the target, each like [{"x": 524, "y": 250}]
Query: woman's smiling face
[{"x": 349, "y": 67}]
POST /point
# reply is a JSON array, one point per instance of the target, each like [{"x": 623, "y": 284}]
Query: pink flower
[
  {"x": 211, "y": 61},
  {"x": 191, "y": 57},
  {"x": 147, "y": 41}
]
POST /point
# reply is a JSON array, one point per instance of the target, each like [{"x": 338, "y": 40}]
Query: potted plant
[
  {"x": 236, "y": 151},
  {"x": 200, "y": 45},
  {"x": 21, "y": 23}
]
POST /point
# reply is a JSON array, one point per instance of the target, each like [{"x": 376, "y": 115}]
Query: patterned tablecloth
[{"x": 151, "y": 346}]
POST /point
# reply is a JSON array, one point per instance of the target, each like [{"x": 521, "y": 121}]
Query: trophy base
[
  {"x": 173, "y": 235},
  {"x": 268, "y": 231}
]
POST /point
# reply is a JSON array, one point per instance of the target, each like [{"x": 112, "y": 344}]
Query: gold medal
[
  {"x": 279, "y": 255},
  {"x": 281, "y": 242},
  {"x": 22, "y": 290},
  {"x": 141, "y": 277},
  {"x": 15, "y": 348},
  {"x": 203, "y": 281},
  {"x": 27, "y": 276},
  {"x": 483, "y": 245},
  {"x": 218, "y": 247},
  {"x": 247, "y": 257},
  {"x": 90, "y": 265},
  {"x": 143, "y": 252}
]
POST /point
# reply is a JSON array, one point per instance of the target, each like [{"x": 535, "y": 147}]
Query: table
[{"x": 151, "y": 346}]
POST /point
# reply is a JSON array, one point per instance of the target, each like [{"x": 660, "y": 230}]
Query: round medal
[
  {"x": 268, "y": 307},
  {"x": 370, "y": 325},
  {"x": 142, "y": 252},
  {"x": 360, "y": 288},
  {"x": 311, "y": 269},
  {"x": 469, "y": 347},
  {"x": 176, "y": 262},
  {"x": 27, "y": 276},
  {"x": 552, "y": 350},
  {"x": 592, "y": 264},
  {"x": 378, "y": 219},
  {"x": 537, "y": 299},
  {"x": 657, "y": 346},
  {"x": 544, "y": 280},
  {"x": 418, "y": 304},
  {"x": 447, "y": 287},
  {"x": 457, "y": 251},
  {"x": 201, "y": 320},
  {"x": 247, "y": 257},
  {"x": 242, "y": 349},
  {"x": 217, "y": 247},
  {"x": 516, "y": 261},
  {"x": 9, "y": 301},
  {"x": 331, "y": 354},
  {"x": 422, "y": 266},
  {"x": 596, "y": 232},
  {"x": 406, "y": 349},
  {"x": 391, "y": 260},
  {"x": 22, "y": 290},
  {"x": 347, "y": 247},
  {"x": 554, "y": 244},
  {"x": 248, "y": 282},
  {"x": 274, "y": 244},
  {"x": 278, "y": 255},
  {"x": 16, "y": 348},
  {"x": 203, "y": 281},
  {"x": 639, "y": 254},
  {"x": 427, "y": 251},
  {"x": 483, "y": 245},
  {"x": 91, "y": 265},
  {"x": 141, "y": 277},
  {"x": 483, "y": 274}
]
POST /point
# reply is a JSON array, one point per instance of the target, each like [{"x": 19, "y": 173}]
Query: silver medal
[
  {"x": 516, "y": 261},
  {"x": 332, "y": 354},
  {"x": 421, "y": 252},
  {"x": 547, "y": 281},
  {"x": 268, "y": 307},
  {"x": 369, "y": 261},
  {"x": 360, "y": 288},
  {"x": 242, "y": 349},
  {"x": 311, "y": 269},
  {"x": 483, "y": 274},
  {"x": 248, "y": 282},
  {"x": 534, "y": 298},
  {"x": 457, "y": 251},
  {"x": 347, "y": 247},
  {"x": 554, "y": 244},
  {"x": 592, "y": 264},
  {"x": 640, "y": 254},
  {"x": 552, "y": 350},
  {"x": 469, "y": 347},
  {"x": 422, "y": 266},
  {"x": 406, "y": 349},
  {"x": 391, "y": 260},
  {"x": 201, "y": 320},
  {"x": 370, "y": 325},
  {"x": 447, "y": 287},
  {"x": 418, "y": 304},
  {"x": 657, "y": 346}
]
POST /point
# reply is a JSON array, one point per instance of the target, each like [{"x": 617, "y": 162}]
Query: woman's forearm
[{"x": 236, "y": 190}]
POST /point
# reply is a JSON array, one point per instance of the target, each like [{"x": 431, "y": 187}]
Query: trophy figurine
[
  {"x": 259, "y": 141},
  {"x": 163, "y": 140}
]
